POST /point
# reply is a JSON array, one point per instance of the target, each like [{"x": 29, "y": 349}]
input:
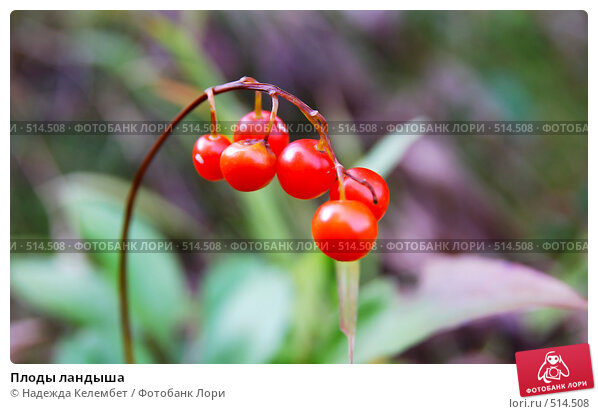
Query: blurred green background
[{"x": 282, "y": 308}]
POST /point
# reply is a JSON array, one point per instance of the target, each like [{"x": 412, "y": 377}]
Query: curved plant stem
[
  {"x": 122, "y": 280},
  {"x": 244, "y": 83}
]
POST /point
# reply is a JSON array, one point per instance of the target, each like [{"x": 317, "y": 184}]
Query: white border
[{"x": 300, "y": 388}]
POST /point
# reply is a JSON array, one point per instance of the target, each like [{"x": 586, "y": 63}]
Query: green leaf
[
  {"x": 246, "y": 310},
  {"x": 452, "y": 291},
  {"x": 63, "y": 287},
  {"x": 110, "y": 50},
  {"x": 195, "y": 66},
  {"x": 90, "y": 346},
  {"x": 91, "y": 187},
  {"x": 265, "y": 203},
  {"x": 387, "y": 153},
  {"x": 314, "y": 306},
  {"x": 157, "y": 294},
  {"x": 158, "y": 297}
]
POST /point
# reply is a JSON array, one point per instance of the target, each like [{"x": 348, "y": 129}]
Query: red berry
[
  {"x": 303, "y": 171},
  {"x": 248, "y": 165},
  {"x": 344, "y": 230},
  {"x": 206, "y": 155},
  {"x": 251, "y": 127},
  {"x": 360, "y": 192}
]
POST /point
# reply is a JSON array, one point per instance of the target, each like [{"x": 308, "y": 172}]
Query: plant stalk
[
  {"x": 257, "y": 109},
  {"x": 273, "y": 113},
  {"x": 347, "y": 279},
  {"x": 245, "y": 83},
  {"x": 347, "y": 272}
]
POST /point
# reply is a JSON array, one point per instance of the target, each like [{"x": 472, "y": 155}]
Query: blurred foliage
[{"x": 225, "y": 308}]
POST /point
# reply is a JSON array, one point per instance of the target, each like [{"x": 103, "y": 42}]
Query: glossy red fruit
[
  {"x": 248, "y": 165},
  {"x": 251, "y": 127},
  {"x": 303, "y": 171},
  {"x": 206, "y": 155},
  {"x": 344, "y": 230},
  {"x": 360, "y": 192}
]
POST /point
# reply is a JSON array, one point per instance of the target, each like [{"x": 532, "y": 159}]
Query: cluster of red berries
[{"x": 344, "y": 228}]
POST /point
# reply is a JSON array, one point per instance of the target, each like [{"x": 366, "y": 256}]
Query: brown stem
[
  {"x": 364, "y": 182},
  {"x": 246, "y": 83},
  {"x": 258, "y": 105},
  {"x": 214, "y": 121},
  {"x": 272, "y": 117}
]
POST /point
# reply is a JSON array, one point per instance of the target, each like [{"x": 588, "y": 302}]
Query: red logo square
[{"x": 559, "y": 369}]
